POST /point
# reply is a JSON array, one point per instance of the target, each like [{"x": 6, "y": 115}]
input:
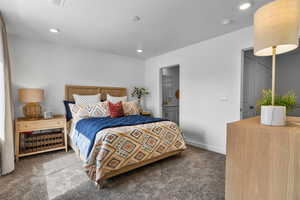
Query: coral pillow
[{"x": 116, "y": 110}]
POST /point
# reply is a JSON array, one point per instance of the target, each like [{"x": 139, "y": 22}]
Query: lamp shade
[
  {"x": 31, "y": 95},
  {"x": 276, "y": 25}
]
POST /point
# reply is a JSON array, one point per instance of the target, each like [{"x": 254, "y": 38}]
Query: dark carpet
[{"x": 195, "y": 174}]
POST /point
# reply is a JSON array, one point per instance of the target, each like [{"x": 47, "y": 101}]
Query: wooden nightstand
[
  {"x": 40, "y": 142},
  {"x": 146, "y": 113}
]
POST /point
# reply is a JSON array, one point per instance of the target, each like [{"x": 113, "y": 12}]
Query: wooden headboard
[{"x": 91, "y": 90}]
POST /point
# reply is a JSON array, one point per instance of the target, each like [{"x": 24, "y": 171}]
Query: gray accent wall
[{"x": 288, "y": 76}]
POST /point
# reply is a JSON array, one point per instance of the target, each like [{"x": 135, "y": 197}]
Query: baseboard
[{"x": 205, "y": 146}]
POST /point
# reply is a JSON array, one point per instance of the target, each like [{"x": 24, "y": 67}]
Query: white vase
[
  {"x": 141, "y": 103},
  {"x": 273, "y": 115}
]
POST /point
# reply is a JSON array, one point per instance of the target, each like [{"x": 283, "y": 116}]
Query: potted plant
[
  {"x": 139, "y": 93},
  {"x": 275, "y": 115}
]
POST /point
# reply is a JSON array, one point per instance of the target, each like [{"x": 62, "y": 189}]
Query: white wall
[
  {"x": 51, "y": 66},
  {"x": 209, "y": 71}
]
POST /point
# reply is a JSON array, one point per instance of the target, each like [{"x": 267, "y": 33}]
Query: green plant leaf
[
  {"x": 288, "y": 100},
  {"x": 139, "y": 92}
]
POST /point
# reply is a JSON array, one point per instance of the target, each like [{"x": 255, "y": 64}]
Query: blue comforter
[{"x": 91, "y": 126}]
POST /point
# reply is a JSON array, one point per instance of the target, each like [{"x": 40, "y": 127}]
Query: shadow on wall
[
  {"x": 17, "y": 105},
  {"x": 194, "y": 136}
]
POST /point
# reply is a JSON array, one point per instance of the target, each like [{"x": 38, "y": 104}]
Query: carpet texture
[{"x": 195, "y": 174}]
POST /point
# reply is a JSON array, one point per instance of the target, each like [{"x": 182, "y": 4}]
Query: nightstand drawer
[{"x": 40, "y": 125}]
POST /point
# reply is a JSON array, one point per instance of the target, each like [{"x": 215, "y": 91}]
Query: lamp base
[{"x": 32, "y": 110}]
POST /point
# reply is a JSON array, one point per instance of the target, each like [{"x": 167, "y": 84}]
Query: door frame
[
  {"x": 242, "y": 79},
  {"x": 161, "y": 92}
]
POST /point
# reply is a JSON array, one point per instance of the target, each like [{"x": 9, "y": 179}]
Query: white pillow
[
  {"x": 86, "y": 99},
  {"x": 114, "y": 100}
]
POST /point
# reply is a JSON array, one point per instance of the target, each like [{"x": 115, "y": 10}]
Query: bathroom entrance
[{"x": 170, "y": 93}]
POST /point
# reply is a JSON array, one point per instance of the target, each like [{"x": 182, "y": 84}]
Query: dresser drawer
[{"x": 40, "y": 125}]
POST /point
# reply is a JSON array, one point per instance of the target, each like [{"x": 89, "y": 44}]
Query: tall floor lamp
[{"x": 276, "y": 30}]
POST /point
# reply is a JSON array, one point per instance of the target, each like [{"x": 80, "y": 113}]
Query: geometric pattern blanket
[
  {"x": 89, "y": 127},
  {"x": 115, "y": 148}
]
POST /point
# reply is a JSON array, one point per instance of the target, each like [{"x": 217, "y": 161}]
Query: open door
[
  {"x": 257, "y": 75},
  {"x": 170, "y": 93}
]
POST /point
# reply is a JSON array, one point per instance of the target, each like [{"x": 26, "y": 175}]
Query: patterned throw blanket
[
  {"x": 118, "y": 147},
  {"x": 91, "y": 126}
]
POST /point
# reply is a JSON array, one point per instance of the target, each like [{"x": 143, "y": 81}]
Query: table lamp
[
  {"x": 31, "y": 97},
  {"x": 276, "y": 30}
]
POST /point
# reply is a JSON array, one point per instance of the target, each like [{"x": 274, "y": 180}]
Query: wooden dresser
[{"x": 263, "y": 162}]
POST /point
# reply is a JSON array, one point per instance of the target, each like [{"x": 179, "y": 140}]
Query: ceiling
[{"x": 108, "y": 25}]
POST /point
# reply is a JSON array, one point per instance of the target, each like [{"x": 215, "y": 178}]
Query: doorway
[
  {"x": 256, "y": 76},
  {"x": 170, "y": 93}
]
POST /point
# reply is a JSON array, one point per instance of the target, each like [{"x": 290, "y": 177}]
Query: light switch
[{"x": 223, "y": 98}]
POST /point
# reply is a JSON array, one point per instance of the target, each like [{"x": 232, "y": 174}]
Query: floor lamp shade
[{"x": 276, "y": 25}]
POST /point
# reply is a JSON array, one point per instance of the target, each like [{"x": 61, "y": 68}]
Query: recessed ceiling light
[
  {"x": 139, "y": 50},
  {"x": 54, "y": 30},
  {"x": 245, "y": 6}
]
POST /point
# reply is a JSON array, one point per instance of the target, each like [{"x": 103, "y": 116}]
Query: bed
[{"x": 119, "y": 149}]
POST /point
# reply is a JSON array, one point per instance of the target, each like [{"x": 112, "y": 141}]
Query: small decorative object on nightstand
[
  {"x": 48, "y": 115},
  {"x": 31, "y": 97},
  {"x": 40, "y": 135},
  {"x": 144, "y": 113}
]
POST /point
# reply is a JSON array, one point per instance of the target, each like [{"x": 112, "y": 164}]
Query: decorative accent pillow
[
  {"x": 91, "y": 110},
  {"x": 86, "y": 99},
  {"x": 113, "y": 99},
  {"x": 131, "y": 108},
  {"x": 68, "y": 110},
  {"x": 115, "y": 110}
]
